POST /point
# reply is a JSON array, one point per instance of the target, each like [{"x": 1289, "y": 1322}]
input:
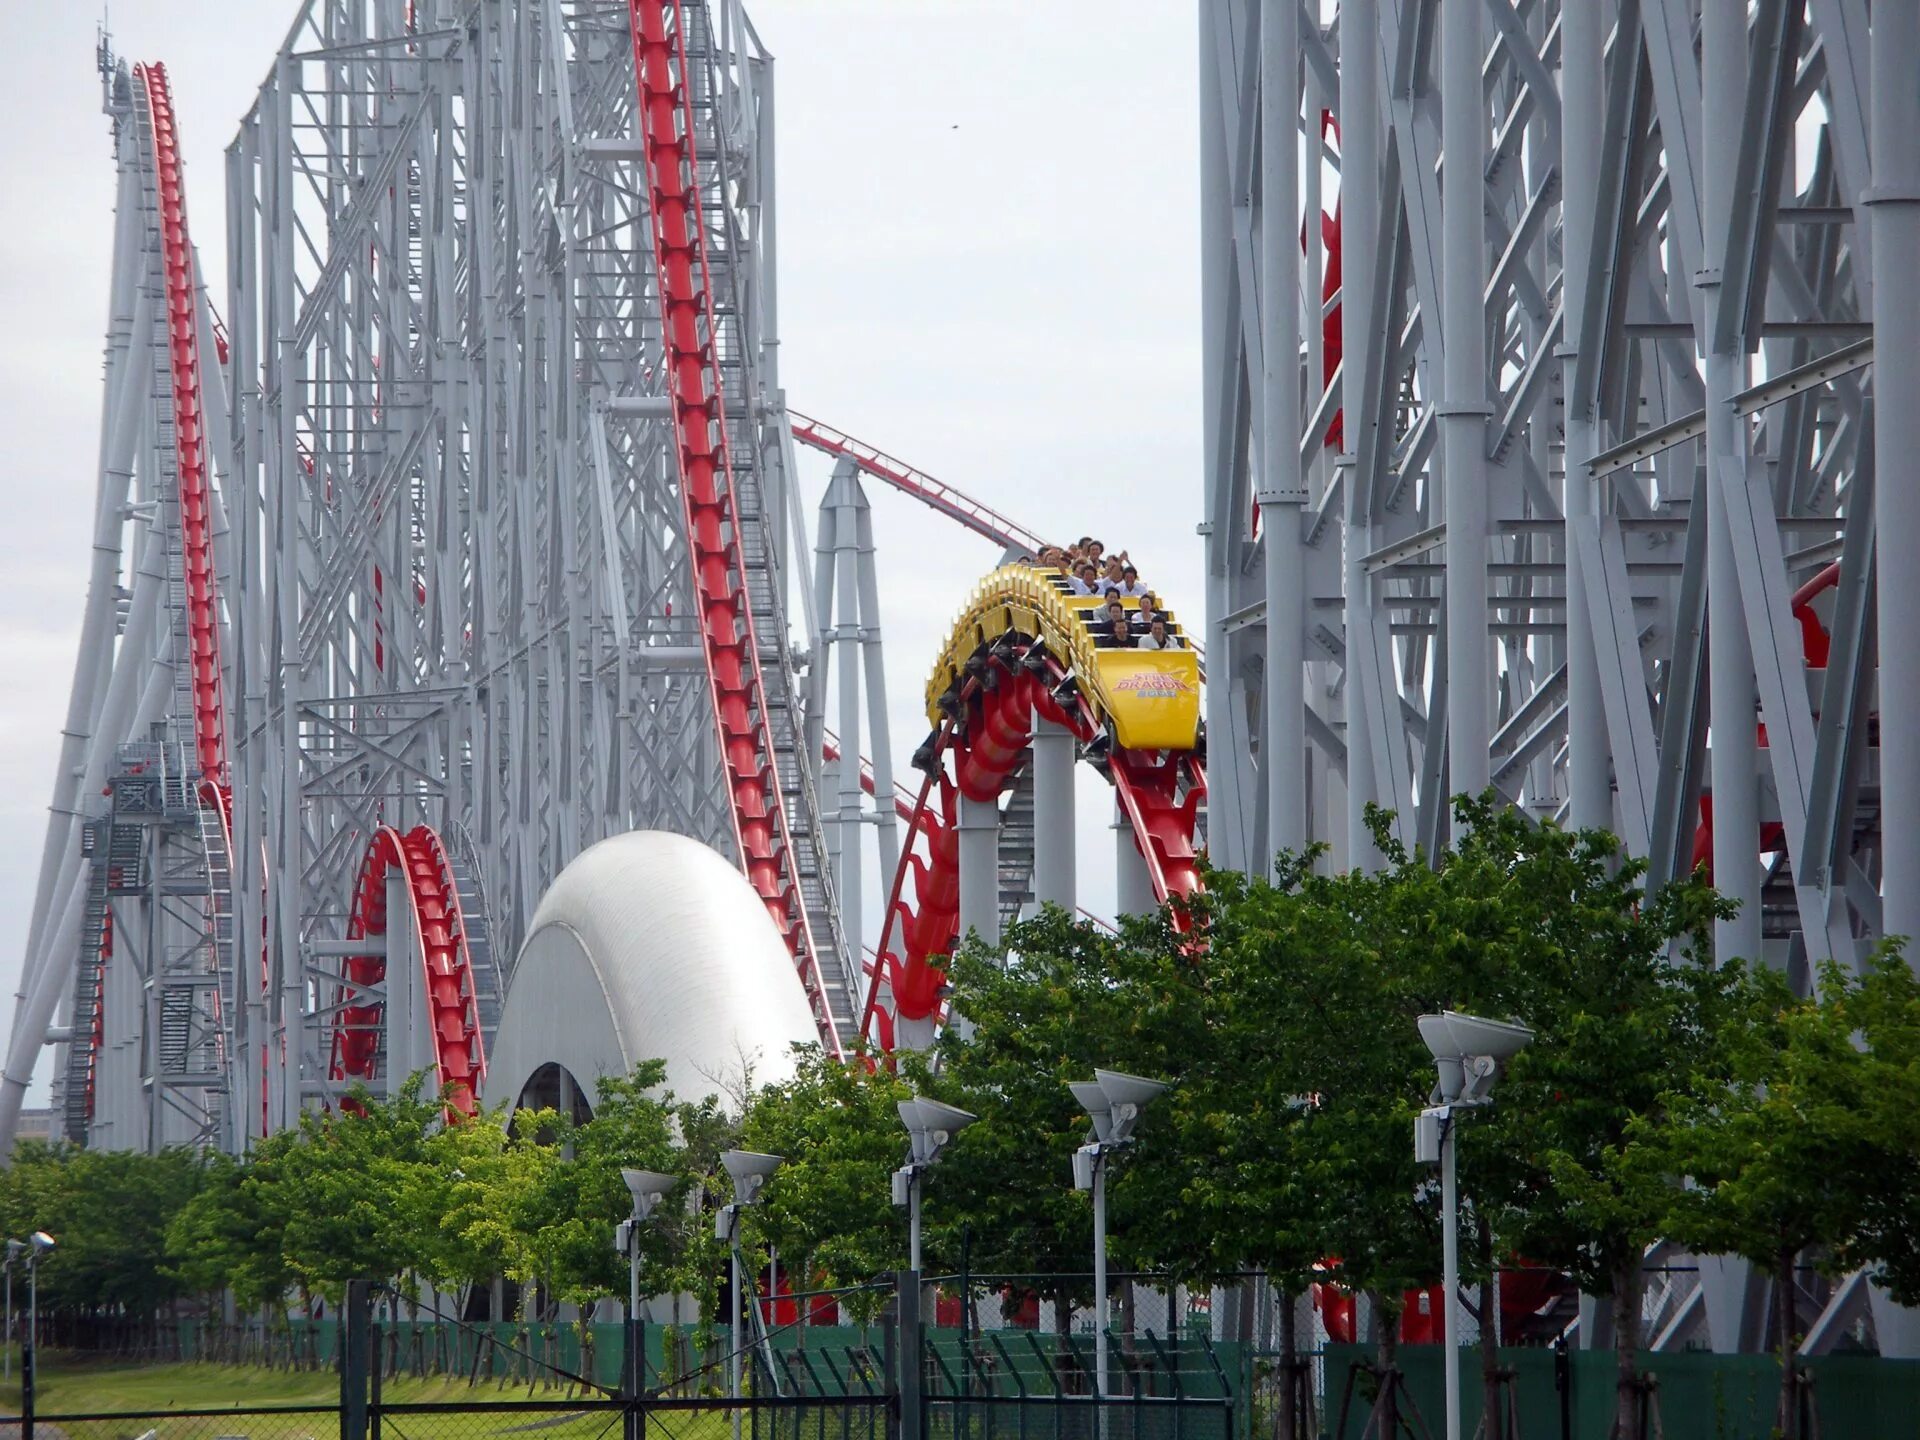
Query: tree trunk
[
  {"x": 1386, "y": 1324},
  {"x": 1490, "y": 1402},
  {"x": 1289, "y": 1386},
  {"x": 1789, "y": 1377},
  {"x": 1626, "y": 1347}
]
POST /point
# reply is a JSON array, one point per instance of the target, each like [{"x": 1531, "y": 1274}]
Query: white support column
[
  {"x": 1588, "y": 757},
  {"x": 1360, "y": 220},
  {"x": 846, "y": 633},
  {"x": 1463, "y": 408},
  {"x": 1736, "y": 773},
  {"x": 1053, "y": 816},
  {"x": 1133, "y": 885},
  {"x": 1894, "y": 207},
  {"x": 409, "y": 1024},
  {"x": 1732, "y": 699},
  {"x": 1282, "y": 489},
  {"x": 1228, "y": 811},
  {"x": 979, "y": 827},
  {"x": 886, "y": 819}
]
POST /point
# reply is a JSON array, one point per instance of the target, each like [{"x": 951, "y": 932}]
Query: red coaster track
[
  {"x": 707, "y": 490},
  {"x": 189, "y": 438},
  {"x": 975, "y": 753}
]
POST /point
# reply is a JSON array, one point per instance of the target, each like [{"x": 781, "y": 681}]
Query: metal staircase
[
  {"x": 1016, "y": 844},
  {"x": 743, "y": 402}
]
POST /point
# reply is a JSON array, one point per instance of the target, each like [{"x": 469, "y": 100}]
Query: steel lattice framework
[
  {"x": 471, "y": 538},
  {"x": 1570, "y": 489}
]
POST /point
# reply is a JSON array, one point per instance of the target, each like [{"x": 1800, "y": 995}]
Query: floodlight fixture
[
  {"x": 14, "y": 1250},
  {"x": 750, "y": 1171},
  {"x": 1469, "y": 1051},
  {"x": 42, "y": 1242},
  {"x": 1093, "y": 1100},
  {"x": 931, "y": 1126},
  {"x": 648, "y": 1188}
]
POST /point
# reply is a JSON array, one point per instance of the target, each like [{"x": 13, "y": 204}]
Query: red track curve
[
  {"x": 448, "y": 972},
  {"x": 1160, "y": 795},
  {"x": 706, "y": 488}
]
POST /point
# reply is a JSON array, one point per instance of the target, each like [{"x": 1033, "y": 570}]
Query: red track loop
[
  {"x": 448, "y": 969},
  {"x": 1159, "y": 793},
  {"x": 706, "y": 487},
  {"x": 189, "y": 434}
]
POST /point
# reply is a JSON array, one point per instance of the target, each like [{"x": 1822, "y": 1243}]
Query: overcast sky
[{"x": 988, "y": 266}]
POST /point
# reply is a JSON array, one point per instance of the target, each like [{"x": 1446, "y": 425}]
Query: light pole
[
  {"x": 749, "y": 1170},
  {"x": 1468, "y": 1052},
  {"x": 14, "y": 1247},
  {"x": 39, "y": 1246},
  {"x": 930, "y": 1126},
  {"x": 647, "y": 1187},
  {"x": 1113, "y": 1102}
]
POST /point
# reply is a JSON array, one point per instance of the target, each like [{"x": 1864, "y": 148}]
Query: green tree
[
  {"x": 110, "y": 1211},
  {"x": 231, "y": 1234},
  {"x": 1058, "y": 998},
  {"x": 1884, "y": 1006},
  {"x": 1776, "y": 1160},
  {"x": 1629, "y": 1013},
  {"x": 831, "y": 1213}
]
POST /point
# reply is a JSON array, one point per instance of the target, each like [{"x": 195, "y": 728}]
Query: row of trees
[{"x": 1664, "y": 1096}]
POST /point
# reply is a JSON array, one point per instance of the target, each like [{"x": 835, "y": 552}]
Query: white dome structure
[{"x": 649, "y": 946}]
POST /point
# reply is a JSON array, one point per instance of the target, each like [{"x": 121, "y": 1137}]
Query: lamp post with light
[
  {"x": 1113, "y": 1102},
  {"x": 1468, "y": 1052},
  {"x": 931, "y": 1125},
  {"x": 39, "y": 1245},
  {"x": 648, "y": 1188},
  {"x": 749, "y": 1170}
]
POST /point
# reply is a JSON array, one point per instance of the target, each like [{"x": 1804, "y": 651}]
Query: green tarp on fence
[{"x": 1700, "y": 1396}]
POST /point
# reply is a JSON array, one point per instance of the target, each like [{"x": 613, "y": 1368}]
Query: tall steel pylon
[{"x": 1564, "y": 482}]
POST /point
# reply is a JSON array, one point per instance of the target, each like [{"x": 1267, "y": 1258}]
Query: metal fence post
[
  {"x": 907, "y": 1364},
  {"x": 356, "y": 1341}
]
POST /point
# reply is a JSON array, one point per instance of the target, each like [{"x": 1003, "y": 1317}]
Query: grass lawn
[{"x": 70, "y": 1384}]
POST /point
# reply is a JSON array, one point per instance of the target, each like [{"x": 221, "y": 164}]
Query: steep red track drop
[
  {"x": 448, "y": 973},
  {"x": 189, "y": 436},
  {"x": 706, "y": 487}
]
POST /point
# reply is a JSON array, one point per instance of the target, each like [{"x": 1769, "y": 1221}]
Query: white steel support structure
[
  {"x": 1589, "y": 511},
  {"x": 457, "y": 588}
]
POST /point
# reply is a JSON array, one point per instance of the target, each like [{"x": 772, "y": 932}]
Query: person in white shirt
[
  {"x": 1159, "y": 638},
  {"x": 1129, "y": 583},
  {"x": 1086, "y": 579}
]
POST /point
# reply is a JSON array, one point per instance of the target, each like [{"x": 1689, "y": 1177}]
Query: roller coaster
[{"x": 462, "y": 535}]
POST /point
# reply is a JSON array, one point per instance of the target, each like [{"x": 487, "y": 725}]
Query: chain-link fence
[
  {"x": 310, "y": 1422},
  {"x": 483, "y": 1418},
  {"x": 1077, "y": 1418}
]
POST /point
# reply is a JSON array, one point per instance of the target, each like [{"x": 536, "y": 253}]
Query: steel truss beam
[{"x": 1642, "y": 332}]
